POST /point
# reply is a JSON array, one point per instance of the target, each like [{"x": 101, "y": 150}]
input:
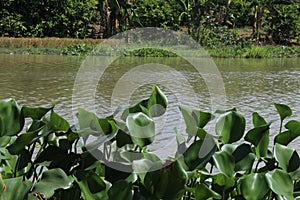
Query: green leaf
[
  {"x": 293, "y": 132},
  {"x": 14, "y": 188},
  {"x": 224, "y": 162},
  {"x": 254, "y": 186},
  {"x": 203, "y": 192},
  {"x": 141, "y": 129},
  {"x": 50, "y": 181},
  {"x": 202, "y": 118},
  {"x": 18, "y": 145},
  {"x": 255, "y": 135},
  {"x": 283, "y": 110},
  {"x": 231, "y": 127},
  {"x": 258, "y": 120},
  {"x": 223, "y": 181},
  {"x": 287, "y": 158},
  {"x": 167, "y": 183},
  {"x": 190, "y": 122},
  {"x": 4, "y": 140},
  {"x": 157, "y": 102},
  {"x": 92, "y": 186},
  {"x": 281, "y": 183},
  {"x": 123, "y": 138},
  {"x": 121, "y": 190},
  {"x": 11, "y": 118},
  {"x": 199, "y": 153},
  {"x": 35, "y": 113},
  {"x": 58, "y": 123}
]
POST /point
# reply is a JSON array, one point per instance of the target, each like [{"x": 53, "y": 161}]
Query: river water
[{"x": 250, "y": 85}]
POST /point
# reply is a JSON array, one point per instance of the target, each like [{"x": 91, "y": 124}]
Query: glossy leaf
[
  {"x": 231, "y": 127},
  {"x": 255, "y": 135},
  {"x": 283, "y": 110},
  {"x": 154, "y": 106},
  {"x": 223, "y": 181},
  {"x": 92, "y": 186},
  {"x": 202, "y": 192},
  {"x": 157, "y": 102},
  {"x": 141, "y": 129},
  {"x": 121, "y": 190},
  {"x": 11, "y": 118},
  {"x": 287, "y": 158},
  {"x": 202, "y": 118},
  {"x": 35, "y": 113},
  {"x": 191, "y": 125},
  {"x": 258, "y": 120},
  {"x": 281, "y": 183},
  {"x": 293, "y": 132},
  {"x": 224, "y": 162},
  {"x": 254, "y": 186},
  {"x": 4, "y": 140},
  {"x": 166, "y": 183},
  {"x": 199, "y": 153},
  {"x": 58, "y": 123},
  {"x": 19, "y": 144},
  {"x": 14, "y": 188},
  {"x": 50, "y": 181}
]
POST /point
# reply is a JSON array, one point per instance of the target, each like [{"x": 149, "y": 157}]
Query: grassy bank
[{"x": 77, "y": 47}]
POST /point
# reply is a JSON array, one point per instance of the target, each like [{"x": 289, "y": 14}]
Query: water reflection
[{"x": 251, "y": 85}]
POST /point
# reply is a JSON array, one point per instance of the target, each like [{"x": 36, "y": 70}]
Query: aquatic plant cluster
[{"x": 51, "y": 159}]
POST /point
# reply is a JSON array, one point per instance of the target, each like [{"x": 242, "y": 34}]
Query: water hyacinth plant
[{"x": 51, "y": 159}]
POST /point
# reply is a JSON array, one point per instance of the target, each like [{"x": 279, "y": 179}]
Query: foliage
[
  {"x": 151, "y": 52},
  {"x": 52, "y": 159},
  {"x": 283, "y": 23},
  {"x": 54, "y": 18}
]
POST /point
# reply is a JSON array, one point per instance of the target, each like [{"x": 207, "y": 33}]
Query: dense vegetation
[
  {"x": 211, "y": 22},
  {"x": 50, "y": 159}
]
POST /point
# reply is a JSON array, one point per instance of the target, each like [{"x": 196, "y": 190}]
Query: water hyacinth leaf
[
  {"x": 202, "y": 118},
  {"x": 157, "y": 103},
  {"x": 241, "y": 152},
  {"x": 255, "y": 135},
  {"x": 35, "y": 113},
  {"x": 88, "y": 122},
  {"x": 199, "y": 153},
  {"x": 141, "y": 129},
  {"x": 123, "y": 138},
  {"x": 4, "y": 140},
  {"x": 121, "y": 190},
  {"x": 258, "y": 120},
  {"x": 190, "y": 122},
  {"x": 223, "y": 181},
  {"x": 293, "y": 132},
  {"x": 231, "y": 127},
  {"x": 254, "y": 186},
  {"x": 283, "y": 110},
  {"x": 18, "y": 145},
  {"x": 154, "y": 106},
  {"x": 50, "y": 181},
  {"x": 91, "y": 185},
  {"x": 11, "y": 118},
  {"x": 25, "y": 158},
  {"x": 58, "y": 123},
  {"x": 166, "y": 183},
  {"x": 203, "y": 192},
  {"x": 280, "y": 183},
  {"x": 287, "y": 158},
  {"x": 14, "y": 188},
  {"x": 224, "y": 162}
]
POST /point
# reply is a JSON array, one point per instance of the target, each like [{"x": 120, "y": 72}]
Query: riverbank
[{"x": 82, "y": 47}]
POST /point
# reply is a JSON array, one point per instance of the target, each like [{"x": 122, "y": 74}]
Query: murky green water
[{"x": 250, "y": 85}]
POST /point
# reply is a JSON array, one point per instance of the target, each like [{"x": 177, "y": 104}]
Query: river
[{"x": 251, "y": 85}]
